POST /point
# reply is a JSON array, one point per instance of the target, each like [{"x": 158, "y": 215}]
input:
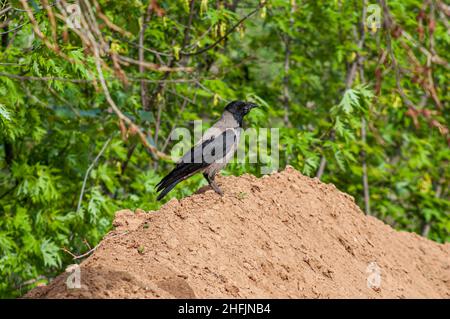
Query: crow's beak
[{"x": 252, "y": 105}]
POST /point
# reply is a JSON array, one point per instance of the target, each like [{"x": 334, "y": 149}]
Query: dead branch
[{"x": 90, "y": 251}]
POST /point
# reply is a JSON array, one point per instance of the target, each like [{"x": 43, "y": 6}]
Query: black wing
[{"x": 199, "y": 157}]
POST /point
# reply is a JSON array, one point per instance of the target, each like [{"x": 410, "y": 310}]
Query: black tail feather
[
  {"x": 166, "y": 190},
  {"x": 178, "y": 174}
]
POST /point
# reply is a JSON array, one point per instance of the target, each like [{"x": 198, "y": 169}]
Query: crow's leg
[{"x": 213, "y": 184}]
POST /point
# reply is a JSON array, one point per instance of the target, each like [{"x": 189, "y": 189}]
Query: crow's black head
[{"x": 239, "y": 109}]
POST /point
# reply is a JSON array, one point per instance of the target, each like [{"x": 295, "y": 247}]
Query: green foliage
[{"x": 52, "y": 130}]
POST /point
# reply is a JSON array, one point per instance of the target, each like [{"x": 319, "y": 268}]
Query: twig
[
  {"x": 413, "y": 111},
  {"x": 183, "y": 53},
  {"x": 145, "y": 20},
  {"x": 160, "y": 88},
  {"x": 168, "y": 80},
  {"x": 87, "y": 243},
  {"x": 129, "y": 154},
  {"x": 200, "y": 37},
  {"x": 351, "y": 74},
  {"x": 185, "y": 98},
  {"x": 108, "y": 22},
  {"x": 49, "y": 78},
  {"x": 427, "y": 227},
  {"x": 88, "y": 171},
  {"x": 3, "y": 11},
  {"x": 38, "y": 32},
  {"x": 287, "y": 55},
  {"x": 262, "y": 4},
  {"x": 59, "y": 97},
  {"x": 9, "y": 190},
  {"x": 208, "y": 90},
  {"x": 442, "y": 8},
  {"x": 43, "y": 78},
  {"x": 158, "y": 123},
  {"x": 183, "y": 106},
  {"x": 119, "y": 113},
  {"x": 187, "y": 30},
  {"x": 14, "y": 29},
  {"x": 365, "y": 177},
  {"x": 51, "y": 17},
  {"x": 322, "y": 165},
  {"x": 153, "y": 66},
  {"x": 136, "y": 45},
  {"x": 31, "y": 281},
  {"x": 388, "y": 23},
  {"x": 90, "y": 251}
]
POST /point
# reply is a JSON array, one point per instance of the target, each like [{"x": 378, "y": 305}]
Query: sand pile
[{"x": 281, "y": 236}]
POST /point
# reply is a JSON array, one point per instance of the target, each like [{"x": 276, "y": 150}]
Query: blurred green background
[{"x": 359, "y": 91}]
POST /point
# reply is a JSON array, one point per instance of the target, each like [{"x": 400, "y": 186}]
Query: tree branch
[
  {"x": 262, "y": 4},
  {"x": 88, "y": 171}
]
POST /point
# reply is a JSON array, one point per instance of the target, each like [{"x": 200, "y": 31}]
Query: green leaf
[
  {"x": 50, "y": 254},
  {"x": 4, "y": 114}
]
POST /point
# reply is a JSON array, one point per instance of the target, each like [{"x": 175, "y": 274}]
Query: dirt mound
[{"x": 280, "y": 236}]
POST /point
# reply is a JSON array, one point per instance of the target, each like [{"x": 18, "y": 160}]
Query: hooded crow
[{"x": 209, "y": 155}]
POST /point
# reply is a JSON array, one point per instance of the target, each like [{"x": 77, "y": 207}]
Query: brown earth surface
[{"x": 281, "y": 236}]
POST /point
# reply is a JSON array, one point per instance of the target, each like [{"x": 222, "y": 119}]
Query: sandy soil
[{"x": 281, "y": 236}]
